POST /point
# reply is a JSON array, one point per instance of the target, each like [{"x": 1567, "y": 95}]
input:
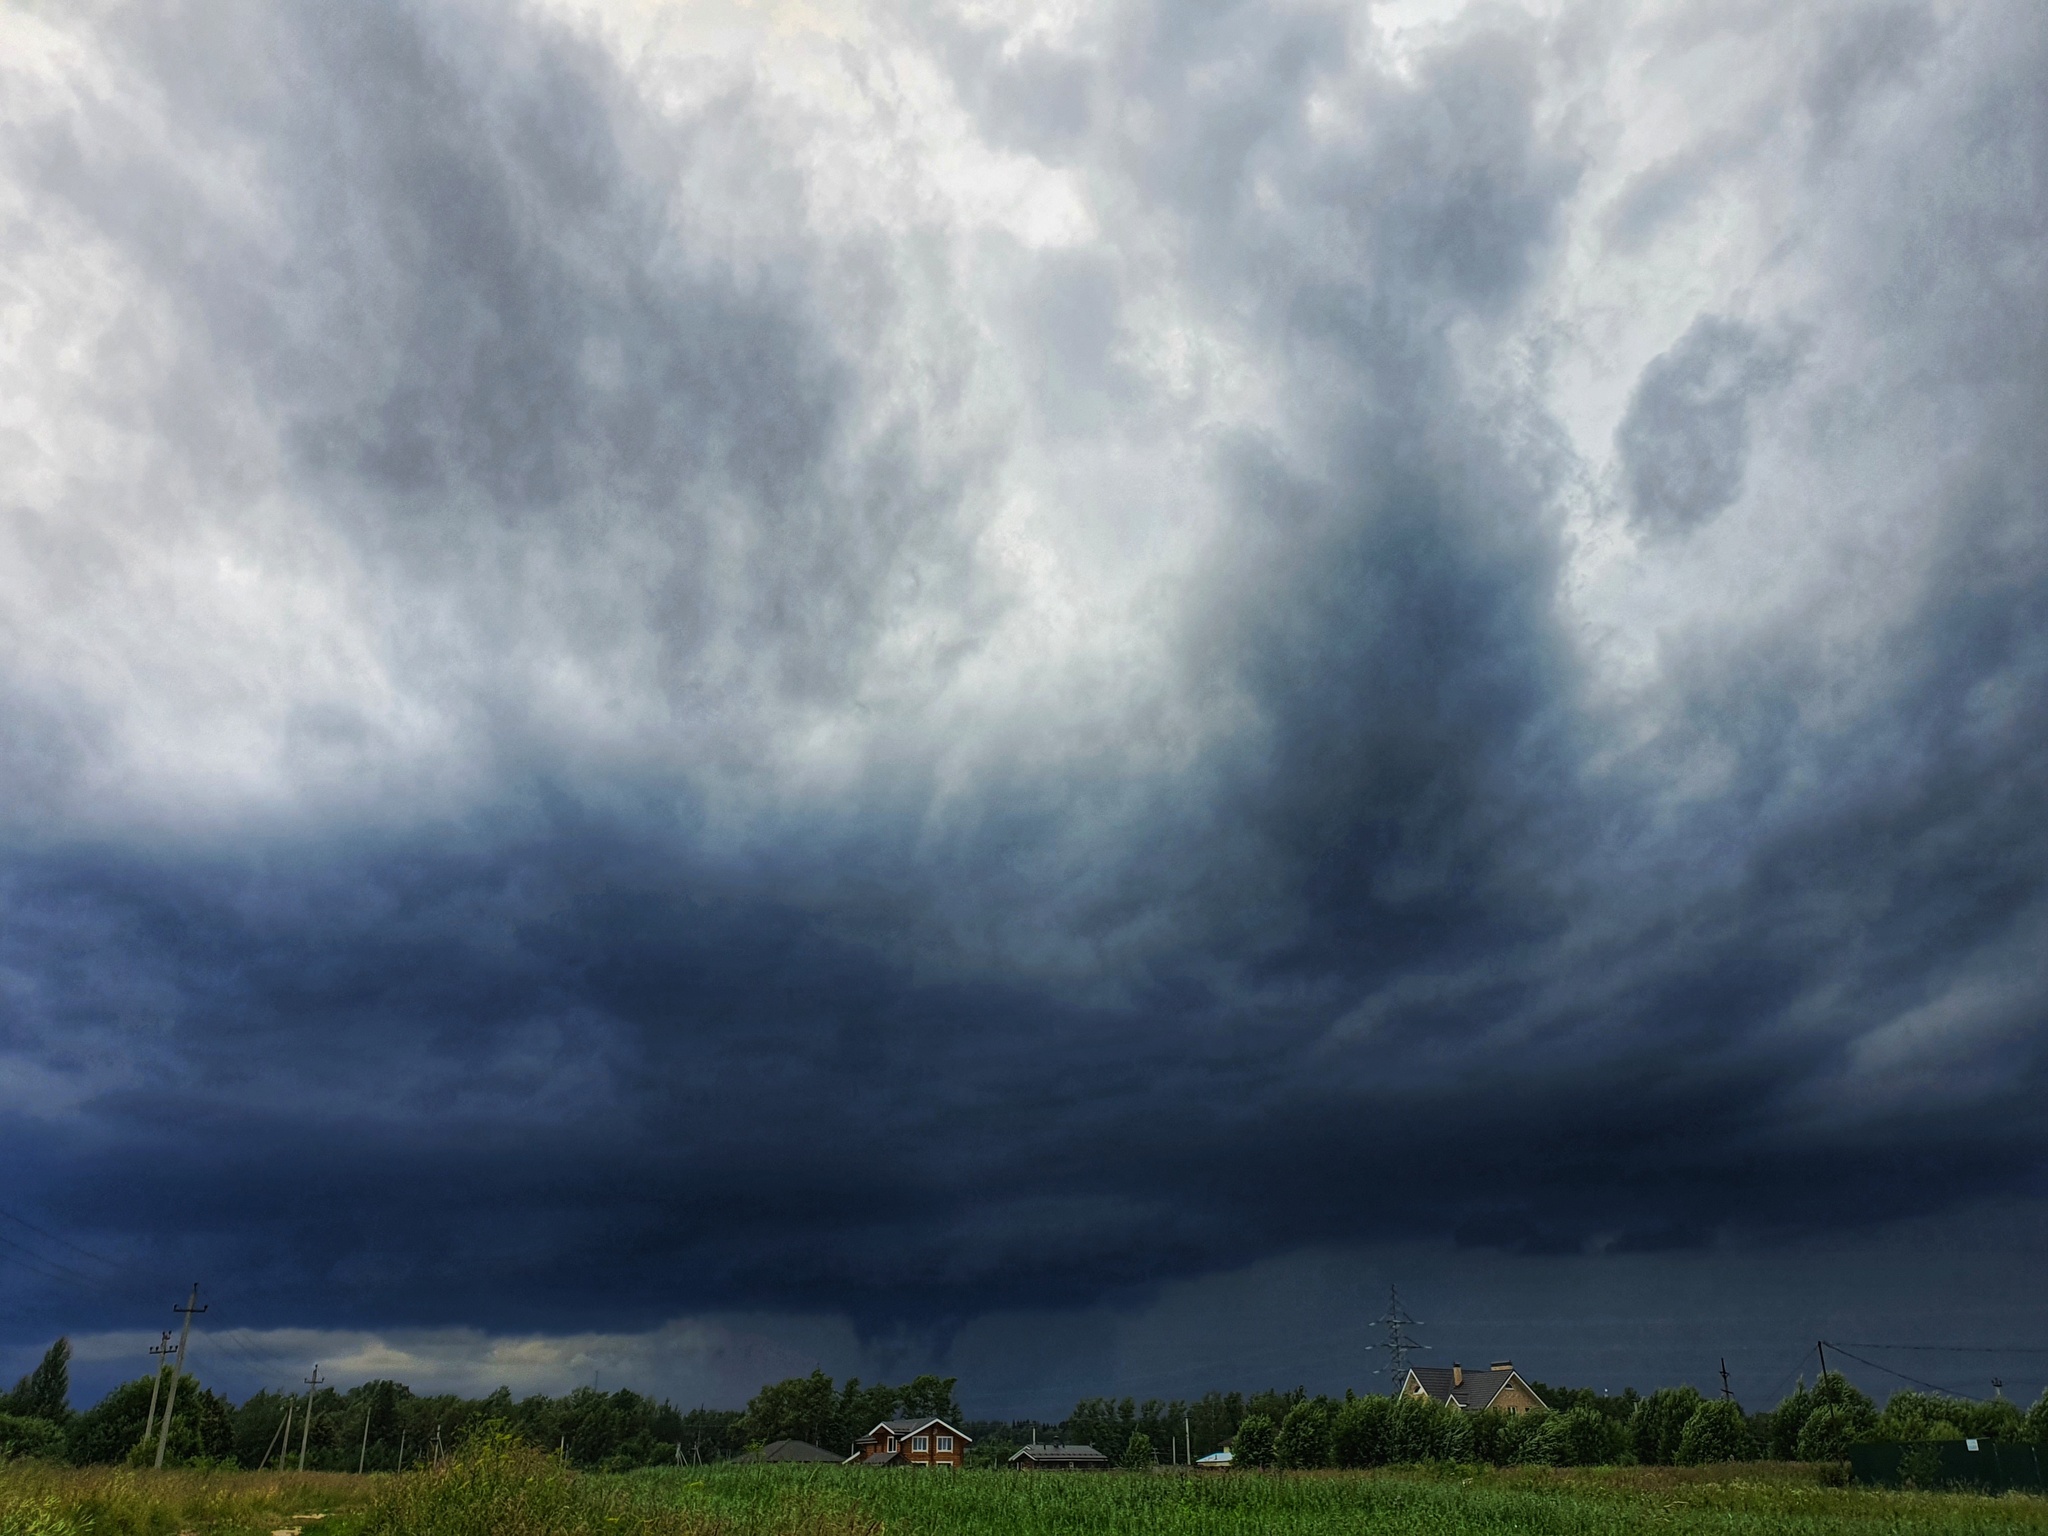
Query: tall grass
[
  {"x": 497, "y": 1487},
  {"x": 1453, "y": 1502},
  {"x": 38, "y": 1499}
]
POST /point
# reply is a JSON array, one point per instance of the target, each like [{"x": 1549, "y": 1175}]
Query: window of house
[
  {"x": 945, "y": 1442},
  {"x": 920, "y": 1443}
]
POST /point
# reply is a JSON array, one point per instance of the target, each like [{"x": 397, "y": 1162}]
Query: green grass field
[{"x": 526, "y": 1494}]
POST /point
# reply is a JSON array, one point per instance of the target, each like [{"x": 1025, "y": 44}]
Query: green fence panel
[{"x": 1986, "y": 1466}]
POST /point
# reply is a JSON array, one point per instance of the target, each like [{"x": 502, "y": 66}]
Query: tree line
[
  {"x": 1578, "y": 1428},
  {"x": 379, "y": 1425},
  {"x": 383, "y": 1425}
]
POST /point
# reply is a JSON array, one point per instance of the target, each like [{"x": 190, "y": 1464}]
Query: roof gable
[
  {"x": 901, "y": 1427},
  {"x": 1480, "y": 1388}
]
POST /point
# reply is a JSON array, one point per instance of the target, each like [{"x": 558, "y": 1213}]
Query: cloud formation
[{"x": 918, "y": 660}]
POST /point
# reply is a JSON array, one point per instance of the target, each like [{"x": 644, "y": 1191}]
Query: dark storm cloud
[
  {"x": 1393, "y": 930},
  {"x": 1684, "y": 443}
]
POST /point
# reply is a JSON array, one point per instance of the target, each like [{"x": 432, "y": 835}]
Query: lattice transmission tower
[{"x": 1400, "y": 1344}]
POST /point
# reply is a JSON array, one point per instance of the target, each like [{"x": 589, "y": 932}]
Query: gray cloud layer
[{"x": 747, "y": 666}]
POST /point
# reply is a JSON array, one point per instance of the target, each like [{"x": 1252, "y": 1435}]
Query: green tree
[
  {"x": 1840, "y": 1416},
  {"x": 203, "y": 1428},
  {"x": 22, "y": 1436},
  {"x": 1304, "y": 1437},
  {"x": 1716, "y": 1431},
  {"x": 1254, "y": 1443},
  {"x": 801, "y": 1408},
  {"x": 45, "y": 1392},
  {"x": 1658, "y": 1421},
  {"x": 1420, "y": 1430},
  {"x": 1137, "y": 1452},
  {"x": 1828, "y": 1433},
  {"x": 1780, "y": 1432},
  {"x": 1358, "y": 1432},
  {"x": 1214, "y": 1419},
  {"x": 860, "y": 1410},
  {"x": 2037, "y": 1420},
  {"x": 930, "y": 1396}
]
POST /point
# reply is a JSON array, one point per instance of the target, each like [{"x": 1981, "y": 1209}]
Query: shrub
[
  {"x": 1358, "y": 1434},
  {"x": 497, "y": 1485},
  {"x": 1421, "y": 1430},
  {"x": 1489, "y": 1430},
  {"x": 1138, "y": 1451},
  {"x": 1253, "y": 1445},
  {"x": 1304, "y": 1437},
  {"x": 2037, "y": 1420},
  {"x": 1715, "y": 1432},
  {"x": 1584, "y": 1437}
]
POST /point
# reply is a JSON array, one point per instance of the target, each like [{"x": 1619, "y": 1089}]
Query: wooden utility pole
[
  {"x": 364, "y": 1455},
  {"x": 306, "y": 1431},
  {"x": 190, "y": 1309},
  {"x": 284, "y": 1449},
  {"x": 1726, "y": 1395},
  {"x": 161, "y": 1350}
]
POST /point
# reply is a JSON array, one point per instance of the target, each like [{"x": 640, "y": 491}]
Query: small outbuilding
[
  {"x": 1059, "y": 1458},
  {"x": 1215, "y": 1461},
  {"x": 791, "y": 1450}
]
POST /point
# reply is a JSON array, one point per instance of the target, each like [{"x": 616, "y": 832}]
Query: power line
[
  {"x": 1915, "y": 1380},
  {"x": 1954, "y": 1349},
  {"x": 86, "y": 1253}
]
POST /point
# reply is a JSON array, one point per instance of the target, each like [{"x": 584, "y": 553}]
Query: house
[
  {"x": 790, "y": 1450},
  {"x": 1499, "y": 1386},
  {"x": 926, "y": 1442},
  {"x": 1215, "y": 1461},
  {"x": 1067, "y": 1457}
]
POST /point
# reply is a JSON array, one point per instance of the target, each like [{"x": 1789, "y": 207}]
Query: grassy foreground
[{"x": 505, "y": 1491}]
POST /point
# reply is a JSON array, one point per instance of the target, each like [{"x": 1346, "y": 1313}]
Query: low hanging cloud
[{"x": 893, "y": 664}]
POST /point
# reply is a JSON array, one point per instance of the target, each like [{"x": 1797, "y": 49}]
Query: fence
[{"x": 1984, "y": 1466}]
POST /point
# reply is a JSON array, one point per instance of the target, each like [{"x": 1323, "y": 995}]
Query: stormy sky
[{"x": 693, "y": 689}]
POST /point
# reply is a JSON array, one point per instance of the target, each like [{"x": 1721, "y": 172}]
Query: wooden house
[{"x": 926, "y": 1442}]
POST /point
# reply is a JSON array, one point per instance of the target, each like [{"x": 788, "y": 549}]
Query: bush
[
  {"x": 1254, "y": 1443},
  {"x": 1584, "y": 1437},
  {"x": 497, "y": 1485},
  {"x": 1138, "y": 1451},
  {"x": 24, "y": 1436},
  {"x": 1421, "y": 1430},
  {"x": 1358, "y": 1434},
  {"x": 1304, "y": 1437},
  {"x": 1489, "y": 1432},
  {"x": 1716, "y": 1431},
  {"x": 2037, "y": 1420}
]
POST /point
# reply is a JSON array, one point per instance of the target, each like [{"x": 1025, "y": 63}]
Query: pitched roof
[
  {"x": 901, "y": 1427},
  {"x": 790, "y": 1450},
  {"x": 1060, "y": 1453},
  {"x": 1478, "y": 1391}
]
